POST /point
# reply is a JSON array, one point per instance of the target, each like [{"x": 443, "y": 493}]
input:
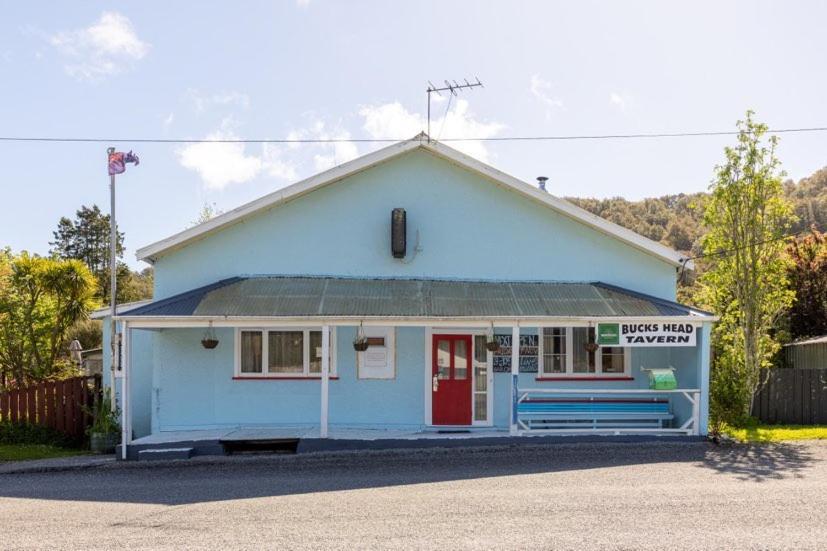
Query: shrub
[{"x": 24, "y": 433}]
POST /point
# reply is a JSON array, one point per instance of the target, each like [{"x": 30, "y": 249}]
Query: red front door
[{"x": 451, "y": 380}]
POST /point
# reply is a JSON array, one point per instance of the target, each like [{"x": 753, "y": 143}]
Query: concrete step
[{"x": 164, "y": 453}]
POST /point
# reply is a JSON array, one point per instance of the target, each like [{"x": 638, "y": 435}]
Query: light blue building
[{"x": 431, "y": 264}]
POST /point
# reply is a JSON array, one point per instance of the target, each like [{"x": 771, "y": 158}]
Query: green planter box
[{"x": 662, "y": 379}]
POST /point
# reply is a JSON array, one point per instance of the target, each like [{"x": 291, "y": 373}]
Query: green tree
[
  {"x": 808, "y": 278},
  {"x": 746, "y": 217},
  {"x": 86, "y": 238},
  {"x": 208, "y": 212},
  {"x": 40, "y": 299},
  {"x": 134, "y": 285},
  {"x": 809, "y": 196}
]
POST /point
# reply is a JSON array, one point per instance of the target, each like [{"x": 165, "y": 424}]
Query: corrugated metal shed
[
  {"x": 807, "y": 354},
  {"x": 283, "y": 296}
]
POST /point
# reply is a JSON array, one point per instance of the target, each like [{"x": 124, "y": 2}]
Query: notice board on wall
[{"x": 529, "y": 346}]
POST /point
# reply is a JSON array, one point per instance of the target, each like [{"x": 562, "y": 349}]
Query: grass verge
[
  {"x": 778, "y": 433},
  {"x": 23, "y": 452}
]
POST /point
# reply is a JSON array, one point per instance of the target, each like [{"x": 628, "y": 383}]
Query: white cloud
[
  {"x": 220, "y": 164},
  {"x": 327, "y": 155},
  {"x": 392, "y": 120},
  {"x": 302, "y": 3},
  {"x": 104, "y": 48},
  {"x": 541, "y": 89},
  {"x": 618, "y": 100},
  {"x": 169, "y": 120},
  {"x": 202, "y": 102},
  {"x": 274, "y": 165}
]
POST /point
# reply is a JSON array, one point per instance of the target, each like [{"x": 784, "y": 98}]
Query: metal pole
[
  {"x": 429, "y": 115},
  {"x": 113, "y": 279}
]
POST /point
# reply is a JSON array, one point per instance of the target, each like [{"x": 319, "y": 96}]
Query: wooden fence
[
  {"x": 58, "y": 405},
  {"x": 793, "y": 396}
]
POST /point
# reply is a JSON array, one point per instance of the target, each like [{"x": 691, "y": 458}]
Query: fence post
[
  {"x": 51, "y": 420},
  {"x": 41, "y": 404},
  {"x": 60, "y": 414},
  {"x": 31, "y": 398},
  {"x": 80, "y": 392},
  {"x": 22, "y": 404},
  {"x": 13, "y": 403}
]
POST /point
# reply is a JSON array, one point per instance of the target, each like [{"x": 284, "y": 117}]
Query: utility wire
[
  {"x": 723, "y": 252},
  {"x": 394, "y": 140}
]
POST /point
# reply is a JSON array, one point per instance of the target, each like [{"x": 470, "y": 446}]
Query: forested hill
[{"x": 675, "y": 220}]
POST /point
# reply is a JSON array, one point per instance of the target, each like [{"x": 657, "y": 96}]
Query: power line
[
  {"x": 723, "y": 252},
  {"x": 394, "y": 140},
  {"x": 726, "y": 252}
]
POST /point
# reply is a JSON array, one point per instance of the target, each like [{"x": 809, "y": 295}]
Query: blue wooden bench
[{"x": 593, "y": 413}]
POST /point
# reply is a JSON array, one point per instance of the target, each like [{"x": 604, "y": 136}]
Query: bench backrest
[{"x": 593, "y": 406}]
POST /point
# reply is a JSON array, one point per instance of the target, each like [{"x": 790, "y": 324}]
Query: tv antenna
[{"x": 452, "y": 87}]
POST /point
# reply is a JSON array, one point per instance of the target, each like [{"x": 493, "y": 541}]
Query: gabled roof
[
  {"x": 421, "y": 141},
  {"x": 410, "y": 298}
]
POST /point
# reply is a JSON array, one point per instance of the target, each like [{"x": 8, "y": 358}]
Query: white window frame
[
  {"x": 570, "y": 373},
  {"x": 265, "y": 374}
]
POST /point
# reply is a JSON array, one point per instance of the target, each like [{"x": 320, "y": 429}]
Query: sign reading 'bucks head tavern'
[{"x": 645, "y": 334}]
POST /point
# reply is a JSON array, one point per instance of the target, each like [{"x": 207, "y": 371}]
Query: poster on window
[
  {"x": 646, "y": 334},
  {"x": 529, "y": 345}
]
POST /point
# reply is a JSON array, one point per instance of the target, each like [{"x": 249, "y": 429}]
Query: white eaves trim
[
  {"x": 160, "y": 322},
  {"x": 151, "y": 252}
]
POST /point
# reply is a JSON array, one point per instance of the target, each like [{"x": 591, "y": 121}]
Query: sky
[{"x": 353, "y": 69}]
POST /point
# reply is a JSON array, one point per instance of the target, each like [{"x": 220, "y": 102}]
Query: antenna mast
[{"x": 453, "y": 88}]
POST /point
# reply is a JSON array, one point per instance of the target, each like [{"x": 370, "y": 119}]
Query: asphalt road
[{"x": 601, "y": 496}]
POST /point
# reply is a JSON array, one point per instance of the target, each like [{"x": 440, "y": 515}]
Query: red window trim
[
  {"x": 259, "y": 378},
  {"x": 598, "y": 378}
]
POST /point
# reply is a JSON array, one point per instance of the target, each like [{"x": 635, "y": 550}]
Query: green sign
[{"x": 608, "y": 334}]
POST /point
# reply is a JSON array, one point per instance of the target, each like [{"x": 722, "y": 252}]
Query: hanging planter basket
[
  {"x": 209, "y": 344},
  {"x": 492, "y": 343},
  {"x": 360, "y": 343},
  {"x": 591, "y": 346},
  {"x": 209, "y": 341}
]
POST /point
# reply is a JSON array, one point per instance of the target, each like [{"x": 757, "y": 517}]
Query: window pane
[
  {"x": 612, "y": 360},
  {"x": 443, "y": 359},
  {"x": 285, "y": 351},
  {"x": 583, "y": 359},
  {"x": 460, "y": 359},
  {"x": 316, "y": 352},
  {"x": 480, "y": 352},
  {"x": 480, "y": 407},
  {"x": 480, "y": 364},
  {"x": 554, "y": 350},
  {"x": 251, "y": 351}
]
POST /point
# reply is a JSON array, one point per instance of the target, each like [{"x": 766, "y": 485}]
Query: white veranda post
[
  {"x": 325, "y": 378},
  {"x": 515, "y": 371},
  {"x": 126, "y": 412}
]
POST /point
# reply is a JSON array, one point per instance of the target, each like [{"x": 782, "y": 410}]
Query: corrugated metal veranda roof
[{"x": 313, "y": 297}]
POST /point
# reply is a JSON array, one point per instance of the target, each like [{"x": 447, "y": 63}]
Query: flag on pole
[{"x": 118, "y": 160}]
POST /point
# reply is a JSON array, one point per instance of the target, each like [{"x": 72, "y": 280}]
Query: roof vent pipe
[{"x": 541, "y": 181}]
